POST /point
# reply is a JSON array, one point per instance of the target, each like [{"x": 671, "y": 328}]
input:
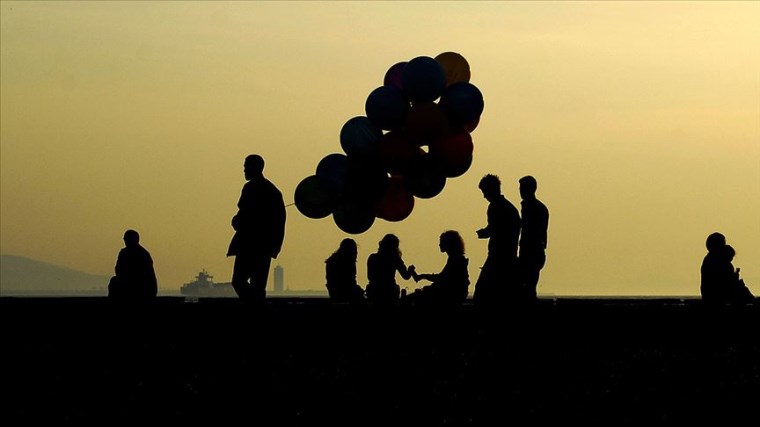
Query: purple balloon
[{"x": 393, "y": 77}]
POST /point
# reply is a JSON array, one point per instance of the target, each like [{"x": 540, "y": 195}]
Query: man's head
[
  {"x": 715, "y": 241},
  {"x": 131, "y": 238},
  {"x": 528, "y": 186},
  {"x": 490, "y": 186},
  {"x": 253, "y": 166}
]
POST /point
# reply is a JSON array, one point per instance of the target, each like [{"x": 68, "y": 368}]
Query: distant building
[{"x": 279, "y": 279}]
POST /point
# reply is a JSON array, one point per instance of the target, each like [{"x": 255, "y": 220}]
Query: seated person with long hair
[
  {"x": 340, "y": 269},
  {"x": 451, "y": 284}
]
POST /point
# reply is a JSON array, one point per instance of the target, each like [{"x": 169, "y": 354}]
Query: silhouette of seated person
[
  {"x": 450, "y": 285},
  {"x": 340, "y": 269},
  {"x": 135, "y": 278},
  {"x": 381, "y": 271},
  {"x": 720, "y": 281},
  {"x": 737, "y": 291}
]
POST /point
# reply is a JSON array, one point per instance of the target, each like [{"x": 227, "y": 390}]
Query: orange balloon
[{"x": 455, "y": 66}]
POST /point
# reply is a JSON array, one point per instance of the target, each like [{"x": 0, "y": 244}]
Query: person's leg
[
  {"x": 241, "y": 272},
  {"x": 483, "y": 287},
  {"x": 259, "y": 275},
  {"x": 531, "y": 265}
]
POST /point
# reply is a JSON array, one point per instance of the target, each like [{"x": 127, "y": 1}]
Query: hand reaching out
[{"x": 413, "y": 272}]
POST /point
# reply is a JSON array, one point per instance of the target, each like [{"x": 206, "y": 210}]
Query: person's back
[
  {"x": 340, "y": 274},
  {"x": 381, "y": 276},
  {"x": 504, "y": 224},
  {"x": 135, "y": 277}
]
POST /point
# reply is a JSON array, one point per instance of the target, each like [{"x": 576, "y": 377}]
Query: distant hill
[{"x": 24, "y": 276}]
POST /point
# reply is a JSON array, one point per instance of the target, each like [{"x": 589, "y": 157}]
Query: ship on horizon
[{"x": 204, "y": 286}]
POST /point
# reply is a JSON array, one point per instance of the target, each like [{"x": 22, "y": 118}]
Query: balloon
[
  {"x": 332, "y": 172},
  {"x": 453, "y": 147},
  {"x": 424, "y": 79},
  {"x": 471, "y": 127},
  {"x": 359, "y": 138},
  {"x": 426, "y": 122},
  {"x": 312, "y": 200},
  {"x": 393, "y": 76},
  {"x": 396, "y": 203},
  {"x": 386, "y": 107},
  {"x": 367, "y": 180},
  {"x": 424, "y": 179},
  {"x": 463, "y": 103},
  {"x": 455, "y": 66},
  {"x": 353, "y": 217},
  {"x": 396, "y": 151}
]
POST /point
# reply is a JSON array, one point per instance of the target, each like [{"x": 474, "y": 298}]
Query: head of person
[
  {"x": 389, "y": 244},
  {"x": 451, "y": 243},
  {"x": 253, "y": 167},
  {"x": 490, "y": 185},
  {"x": 348, "y": 248},
  {"x": 131, "y": 238},
  {"x": 715, "y": 241},
  {"x": 728, "y": 252},
  {"x": 528, "y": 186}
]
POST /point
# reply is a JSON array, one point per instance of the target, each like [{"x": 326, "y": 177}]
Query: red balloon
[
  {"x": 396, "y": 151},
  {"x": 397, "y": 203},
  {"x": 453, "y": 154},
  {"x": 426, "y": 122}
]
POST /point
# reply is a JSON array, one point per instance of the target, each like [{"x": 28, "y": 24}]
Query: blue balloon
[
  {"x": 463, "y": 103},
  {"x": 424, "y": 79},
  {"x": 354, "y": 217},
  {"x": 386, "y": 107},
  {"x": 359, "y": 138},
  {"x": 332, "y": 172},
  {"x": 425, "y": 180}
]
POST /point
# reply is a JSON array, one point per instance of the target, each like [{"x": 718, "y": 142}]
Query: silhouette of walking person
[
  {"x": 533, "y": 236},
  {"x": 135, "y": 278},
  {"x": 259, "y": 231},
  {"x": 499, "y": 277},
  {"x": 381, "y": 271},
  {"x": 340, "y": 269},
  {"x": 450, "y": 285}
]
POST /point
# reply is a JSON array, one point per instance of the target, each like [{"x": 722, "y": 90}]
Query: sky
[{"x": 640, "y": 122}]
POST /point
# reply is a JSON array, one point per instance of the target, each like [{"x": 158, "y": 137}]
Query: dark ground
[{"x": 306, "y": 361}]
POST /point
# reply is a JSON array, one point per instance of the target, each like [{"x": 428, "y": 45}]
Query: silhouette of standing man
[
  {"x": 535, "y": 223},
  {"x": 135, "y": 278},
  {"x": 259, "y": 231},
  {"x": 499, "y": 277}
]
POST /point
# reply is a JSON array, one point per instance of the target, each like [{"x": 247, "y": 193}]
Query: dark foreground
[{"x": 305, "y": 361}]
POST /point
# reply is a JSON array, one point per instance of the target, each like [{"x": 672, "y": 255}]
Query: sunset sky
[{"x": 640, "y": 121}]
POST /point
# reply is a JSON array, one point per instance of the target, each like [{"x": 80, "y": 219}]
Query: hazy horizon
[{"x": 640, "y": 121}]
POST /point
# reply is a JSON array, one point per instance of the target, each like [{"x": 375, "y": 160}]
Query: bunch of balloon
[{"x": 415, "y": 136}]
